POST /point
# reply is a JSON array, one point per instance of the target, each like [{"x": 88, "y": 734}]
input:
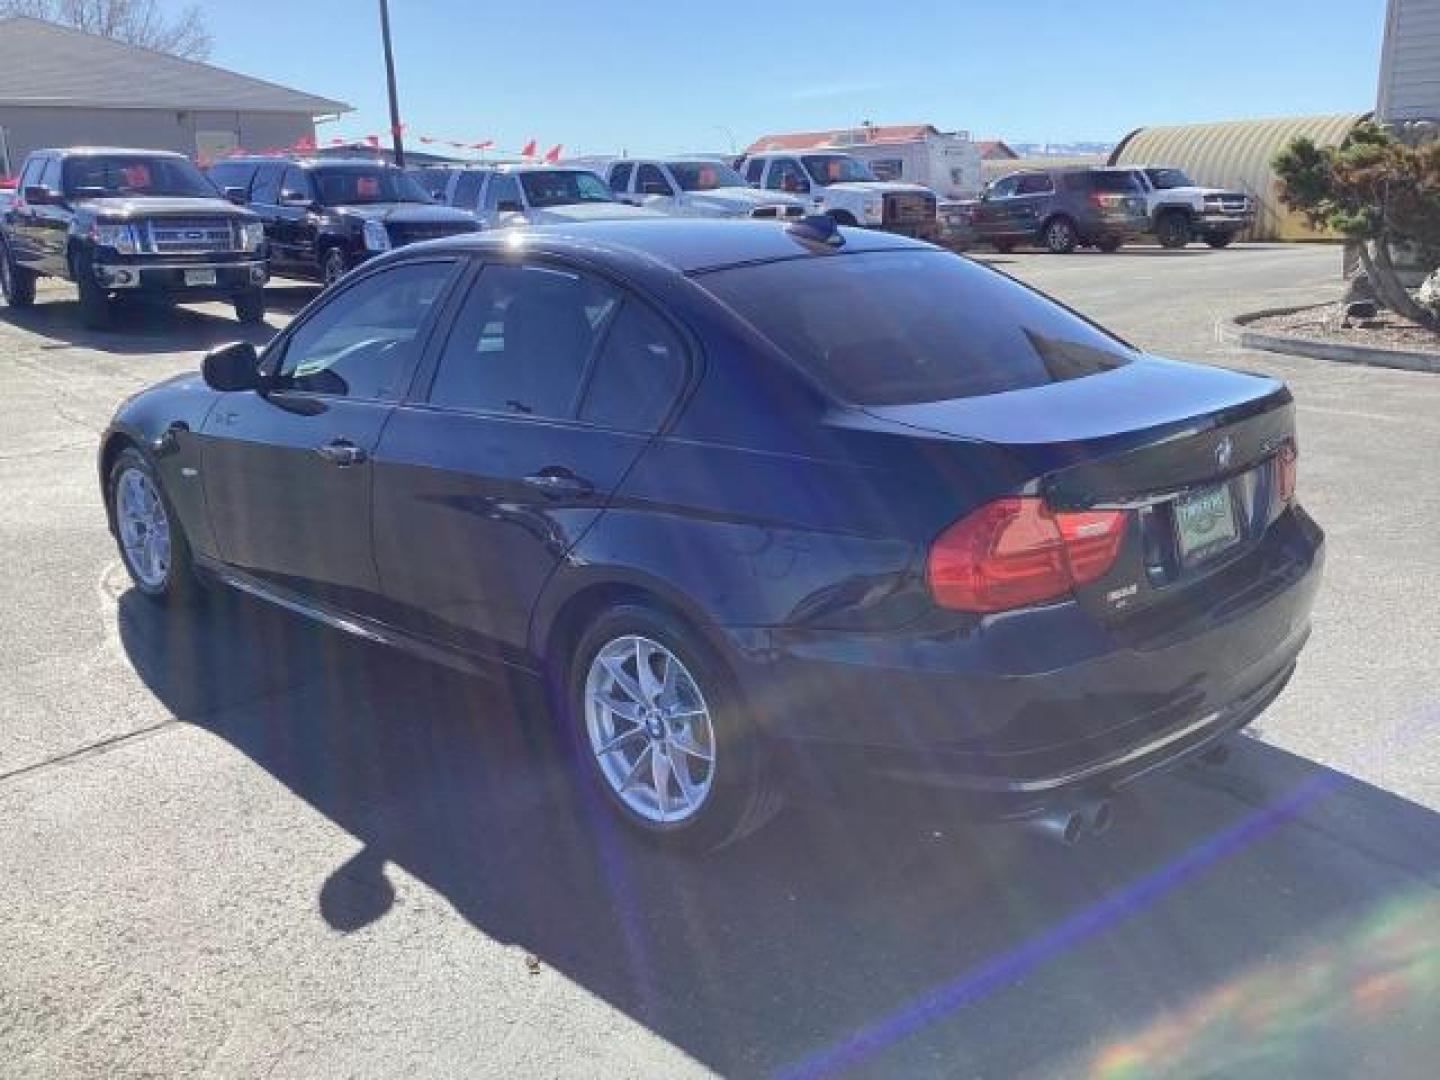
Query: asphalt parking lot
[{"x": 237, "y": 845}]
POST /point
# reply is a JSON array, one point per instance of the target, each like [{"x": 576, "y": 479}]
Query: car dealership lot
[{"x": 236, "y": 843}]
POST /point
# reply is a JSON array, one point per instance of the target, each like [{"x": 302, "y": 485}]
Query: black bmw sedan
[{"x": 747, "y": 494}]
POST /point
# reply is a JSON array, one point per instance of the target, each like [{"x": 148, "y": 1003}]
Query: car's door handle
[
  {"x": 342, "y": 452},
  {"x": 558, "y": 482}
]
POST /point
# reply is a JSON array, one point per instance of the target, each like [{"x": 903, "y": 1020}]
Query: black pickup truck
[{"x": 131, "y": 222}]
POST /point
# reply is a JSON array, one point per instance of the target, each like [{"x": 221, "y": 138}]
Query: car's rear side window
[
  {"x": 1114, "y": 181},
  {"x": 637, "y": 374},
  {"x": 896, "y": 327}
]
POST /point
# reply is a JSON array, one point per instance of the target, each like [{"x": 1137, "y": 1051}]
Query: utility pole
[{"x": 399, "y": 143}]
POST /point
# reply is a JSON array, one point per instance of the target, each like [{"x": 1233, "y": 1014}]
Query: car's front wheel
[
  {"x": 659, "y": 730},
  {"x": 1173, "y": 230},
  {"x": 95, "y": 308},
  {"x": 250, "y": 306},
  {"x": 17, "y": 284},
  {"x": 334, "y": 266},
  {"x": 152, "y": 544},
  {"x": 1219, "y": 240}
]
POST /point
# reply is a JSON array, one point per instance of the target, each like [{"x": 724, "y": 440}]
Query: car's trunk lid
[{"x": 1176, "y": 445}]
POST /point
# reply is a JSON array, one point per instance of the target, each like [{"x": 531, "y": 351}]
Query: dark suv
[
  {"x": 128, "y": 223},
  {"x": 1062, "y": 209},
  {"x": 323, "y": 217}
]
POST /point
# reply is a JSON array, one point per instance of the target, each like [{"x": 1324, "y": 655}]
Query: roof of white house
[{"x": 45, "y": 64}]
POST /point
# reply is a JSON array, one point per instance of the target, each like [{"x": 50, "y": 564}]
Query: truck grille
[
  {"x": 189, "y": 236},
  {"x": 1233, "y": 204},
  {"x": 909, "y": 208},
  {"x": 412, "y": 232}
]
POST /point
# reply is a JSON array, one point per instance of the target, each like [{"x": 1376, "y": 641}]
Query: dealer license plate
[{"x": 1205, "y": 523}]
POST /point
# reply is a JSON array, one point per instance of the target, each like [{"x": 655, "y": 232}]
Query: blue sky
[{"x": 668, "y": 77}]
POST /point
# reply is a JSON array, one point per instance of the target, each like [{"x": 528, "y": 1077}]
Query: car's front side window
[
  {"x": 522, "y": 341},
  {"x": 362, "y": 343}
]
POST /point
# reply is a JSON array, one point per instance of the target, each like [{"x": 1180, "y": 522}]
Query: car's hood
[
  {"x": 1195, "y": 191},
  {"x": 405, "y": 212},
  {"x": 595, "y": 211},
  {"x": 135, "y": 206},
  {"x": 741, "y": 198},
  {"x": 884, "y": 187}
]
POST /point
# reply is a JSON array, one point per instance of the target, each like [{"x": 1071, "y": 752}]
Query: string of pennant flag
[{"x": 530, "y": 151}]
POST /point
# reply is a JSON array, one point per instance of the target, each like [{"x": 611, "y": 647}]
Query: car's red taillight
[
  {"x": 1287, "y": 465},
  {"x": 1016, "y": 551}
]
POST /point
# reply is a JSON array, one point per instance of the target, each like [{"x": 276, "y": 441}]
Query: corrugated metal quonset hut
[{"x": 1237, "y": 154}]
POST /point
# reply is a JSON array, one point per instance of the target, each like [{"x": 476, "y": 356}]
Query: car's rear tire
[
  {"x": 1060, "y": 236},
  {"x": 1173, "y": 229},
  {"x": 333, "y": 265},
  {"x": 659, "y": 731},
  {"x": 17, "y": 284},
  {"x": 148, "y": 533},
  {"x": 95, "y": 310},
  {"x": 1218, "y": 240},
  {"x": 250, "y": 306}
]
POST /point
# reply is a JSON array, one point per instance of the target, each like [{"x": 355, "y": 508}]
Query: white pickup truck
[
  {"x": 842, "y": 186},
  {"x": 1181, "y": 210},
  {"x": 695, "y": 187}
]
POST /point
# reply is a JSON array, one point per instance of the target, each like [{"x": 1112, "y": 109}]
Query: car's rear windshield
[
  {"x": 105, "y": 175},
  {"x": 828, "y": 169},
  {"x": 898, "y": 327},
  {"x": 1121, "y": 181}
]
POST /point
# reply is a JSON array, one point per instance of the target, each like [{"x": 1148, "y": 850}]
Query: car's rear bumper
[{"x": 1039, "y": 702}]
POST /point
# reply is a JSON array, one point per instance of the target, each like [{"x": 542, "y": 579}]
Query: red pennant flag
[
  {"x": 304, "y": 145},
  {"x": 337, "y": 141},
  {"x": 398, "y": 130},
  {"x": 482, "y": 145},
  {"x": 372, "y": 140},
  {"x": 553, "y": 154},
  {"x": 529, "y": 149}
]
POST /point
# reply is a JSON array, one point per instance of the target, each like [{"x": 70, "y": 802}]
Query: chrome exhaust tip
[{"x": 1063, "y": 824}]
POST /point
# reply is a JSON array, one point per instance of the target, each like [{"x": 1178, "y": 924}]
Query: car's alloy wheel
[
  {"x": 144, "y": 528},
  {"x": 17, "y": 286},
  {"x": 650, "y": 730},
  {"x": 335, "y": 266},
  {"x": 1060, "y": 236}
]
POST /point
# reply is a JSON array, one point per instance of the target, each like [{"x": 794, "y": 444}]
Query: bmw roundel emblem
[{"x": 1224, "y": 451}]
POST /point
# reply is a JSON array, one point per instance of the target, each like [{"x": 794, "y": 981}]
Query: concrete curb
[{"x": 1237, "y": 330}]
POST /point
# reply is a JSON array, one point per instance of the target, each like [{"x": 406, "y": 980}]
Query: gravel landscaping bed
[{"x": 1387, "y": 331}]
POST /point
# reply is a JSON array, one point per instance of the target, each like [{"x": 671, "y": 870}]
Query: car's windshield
[
  {"x": 564, "y": 187},
  {"x": 98, "y": 175},
  {"x": 704, "y": 175},
  {"x": 898, "y": 327},
  {"x": 1114, "y": 181},
  {"x": 1164, "y": 179},
  {"x": 353, "y": 185},
  {"x": 827, "y": 169}
]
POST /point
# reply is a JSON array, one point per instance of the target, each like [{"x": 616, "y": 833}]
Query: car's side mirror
[
  {"x": 294, "y": 198},
  {"x": 238, "y": 195},
  {"x": 509, "y": 206},
  {"x": 232, "y": 367},
  {"x": 40, "y": 195}
]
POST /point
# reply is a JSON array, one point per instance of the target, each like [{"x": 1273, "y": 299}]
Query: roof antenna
[{"x": 817, "y": 229}]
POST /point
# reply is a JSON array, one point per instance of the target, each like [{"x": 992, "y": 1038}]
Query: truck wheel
[
  {"x": 1059, "y": 235},
  {"x": 333, "y": 266},
  {"x": 95, "y": 311},
  {"x": 250, "y": 306},
  {"x": 17, "y": 284},
  {"x": 1173, "y": 230},
  {"x": 1219, "y": 240}
]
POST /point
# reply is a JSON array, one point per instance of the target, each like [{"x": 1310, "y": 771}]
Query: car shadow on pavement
[
  {"x": 1270, "y": 917},
  {"x": 154, "y": 329}
]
